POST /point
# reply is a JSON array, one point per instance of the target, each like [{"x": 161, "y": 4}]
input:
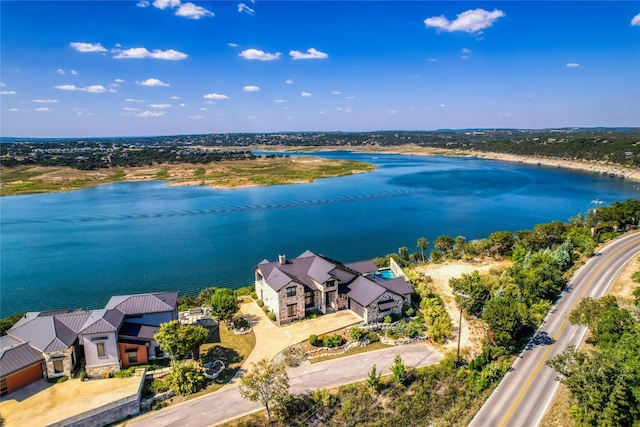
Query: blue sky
[{"x": 124, "y": 68}]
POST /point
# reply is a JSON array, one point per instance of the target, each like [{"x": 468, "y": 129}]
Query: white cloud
[
  {"x": 251, "y": 88},
  {"x": 143, "y": 3},
  {"x": 2, "y": 84},
  {"x": 442, "y": 105},
  {"x": 279, "y": 100},
  {"x": 142, "y": 52},
  {"x": 152, "y": 82},
  {"x": 305, "y": 94},
  {"x": 174, "y": 97},
  {"x": 471, "y": 21},
  {"x": 119, "y": 81},
  {"x": 152, "y": 114},
  {"x": 215, "y": 96},
  {"x": 60, "y": 71},
  {"x": 45, "y": 101},
  {"x": 392, "y": 111},
  {"x": 191, "y": 11},
  {"x": 348, "y": 110},
  {"x": 74, "y": 72},
  {"x": 350, "y": 97},
  {"x": 160, "y": 106},
  {"x": 197, "y": 117},
  {"x": 182, "y": 105},
  {"x": 246, "y": 9},
  {"x": 572, "y": 65},
  {"x": 163, "y": 4},
  {"x": 232, "y": 44},
  {"x": 8, "y": 92},
  {"x": 311, "y": 54},
  {"x": 210, "y": 102},
  {"x": 134, "y": 100},
  {"x": 87, "y": 47},
  {"x": 288, "y": 81},
  {"x": 203, "y": 109},
  {"x": 131, "y": 109},
  {"x": 465, "y": 50},
  {"x": 41, "y": 109},
  {"x": 255, "y": 54},
  {"x": 13, "y": 109},
  {"x": 636, "y": 20},
  {"x": 336, "y": 92},
  {"x": 433, "y": 59}
]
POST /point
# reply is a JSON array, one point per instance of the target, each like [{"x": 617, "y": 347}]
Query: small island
[{"x": 268, "y": 170}]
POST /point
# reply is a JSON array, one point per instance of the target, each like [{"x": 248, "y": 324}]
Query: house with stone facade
[
  {"x": 290, "y": 288},
  {"x": 51, "y": 344}
]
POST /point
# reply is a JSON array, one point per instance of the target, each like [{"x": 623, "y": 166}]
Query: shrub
[
  {"x": 260, "y": 303},
  {"x": 123, "y": 373},
  {"x": 387, "y": 319},
  {"x": 186, "y": 379},
  {"x": 83, "y": 375},
  {"x": 265, "y": 309},
  {"x": 410, "y": 312},
  {"x": 57, "y": 380},
  {"x": 356, "y": 333},
  {"x": 247, "y": 290},
  {"x": 156, "y": 386},
  {"x": 332, "y": 341},
  {"x": 253, "y": 295},
  {"x": 272, "y": 316},
  {"x": 372, "y": 337},
  {"x": 159, "y": 404},
  {"x": 313, "y": 339}
]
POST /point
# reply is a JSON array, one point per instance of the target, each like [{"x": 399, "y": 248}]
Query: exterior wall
[
  {"x": 24, "y": 377},
  {"x": 284, "y": 301},
  {"x": 397, "y": 270},
  {"x": 373, "y": 314},
  {"x": 98, "y": 366},
  {"x": 68, "y": 358},
  {"x": 141, "y": 351},
  {"x": 268, "y": 295},
  {"x": 342, "y": 301}
]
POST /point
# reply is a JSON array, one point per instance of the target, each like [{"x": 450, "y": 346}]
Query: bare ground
[{"x": 473, "y": 330}]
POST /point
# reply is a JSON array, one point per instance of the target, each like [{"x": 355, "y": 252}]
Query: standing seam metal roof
[{"x": 16, "y": 355}]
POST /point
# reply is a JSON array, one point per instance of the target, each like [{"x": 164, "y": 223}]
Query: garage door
[
  {"x": 20, "y": 379},
  {"x": 356, "y": 308}
]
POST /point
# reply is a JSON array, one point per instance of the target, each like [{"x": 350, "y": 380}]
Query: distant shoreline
[{"x": 595, "y": 167}]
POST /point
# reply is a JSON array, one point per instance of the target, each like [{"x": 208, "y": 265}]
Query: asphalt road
[
  {"x": 227, "y": 404},
  {"x": 526, "y": 391}
]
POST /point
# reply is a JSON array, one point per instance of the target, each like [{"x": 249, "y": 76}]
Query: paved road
[
  {"x": 227, "y": 404},
  {"x": 525, "y": 393}
]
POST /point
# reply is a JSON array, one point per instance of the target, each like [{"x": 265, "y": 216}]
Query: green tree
[
  {"x": 373, "y": 380},
  {"x": 398, "y": 369},
  {"x": 423, "y": 244},
  {"x": 471, "y": 285},
  {"x": 8, "y": 322},
  {"x": 444, "y": 244},
  {"x": 403, "y": 251},
  {"x": 177, "y": 340},
  {"x": 267, "y": 383},
  {"x": 224, "y": 305},
  {"x": 505, "y": 319},
  {"x": 501, "y": 243},
  {"x": 186, "y": 379}
]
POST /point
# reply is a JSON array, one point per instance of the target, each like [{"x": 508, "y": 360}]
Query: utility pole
[
  {"x": 460, "y": 296},
  {"x": 595, "y": 213}
]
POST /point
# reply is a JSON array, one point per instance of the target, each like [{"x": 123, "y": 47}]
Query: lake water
[{"x": 76, "y": 249}]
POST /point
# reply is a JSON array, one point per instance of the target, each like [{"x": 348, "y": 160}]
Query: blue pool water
[{"x": 385, "y": 274}]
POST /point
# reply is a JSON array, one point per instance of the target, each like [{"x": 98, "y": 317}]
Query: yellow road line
[{"x": 564, "y": 324}]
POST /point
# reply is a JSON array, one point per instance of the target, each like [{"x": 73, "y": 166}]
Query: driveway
[
  {"x": 222, "y": 406},
  {"x": 272, "y": 339}
]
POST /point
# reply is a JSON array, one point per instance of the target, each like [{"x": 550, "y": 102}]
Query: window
[
  {"x": 103, "y": 338},
  {"x": 331, "y": 283},
  {"x": 291, "y": 292},
  {"x": 58, "y": 366},
  {"x": 132, "y": 355},
  {"x": 308, "y": 299},
  {"x": 101, "y": 350},
  {"x": 292, "y": 310}
]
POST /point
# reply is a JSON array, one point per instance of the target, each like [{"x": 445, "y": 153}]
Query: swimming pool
[{"x": 385, "y": 274}]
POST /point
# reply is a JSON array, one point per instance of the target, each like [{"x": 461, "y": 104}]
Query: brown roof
[
  {"x": 364, "y": 291},
  {"x": 144, "y": 303},
  {"x": 397, "y": 286}
]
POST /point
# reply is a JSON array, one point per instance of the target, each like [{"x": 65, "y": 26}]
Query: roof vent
[{"x": 282, "y": 259}]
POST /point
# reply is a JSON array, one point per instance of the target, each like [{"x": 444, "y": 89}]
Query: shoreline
[{"x": 595, "y": 167}]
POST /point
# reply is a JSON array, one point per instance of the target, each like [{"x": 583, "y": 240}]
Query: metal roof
[
  {"x": 136, "y": 330},
  {"x": 365, "y": 291},
  {"x": 388, "y": 304},
  {"x": 102, "y": 321},
  {"x": 16, "y": 355},
  {"x": 397, "y": 286},
  {"x": 143, "y": 303},
  {"x": 363, "y": 267},
  {"x": 44, "y": 333}
]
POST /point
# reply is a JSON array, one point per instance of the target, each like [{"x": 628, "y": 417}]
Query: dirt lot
[{"x": 473, "y": 330}]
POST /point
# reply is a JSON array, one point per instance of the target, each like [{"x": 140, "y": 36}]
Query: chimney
[{"x": 282, "y": 259}]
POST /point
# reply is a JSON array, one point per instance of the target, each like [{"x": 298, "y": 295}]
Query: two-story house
[{"x": 292, "y": 287}]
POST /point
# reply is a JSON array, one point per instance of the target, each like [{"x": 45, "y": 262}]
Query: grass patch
[{"x": 233, "y": 350}]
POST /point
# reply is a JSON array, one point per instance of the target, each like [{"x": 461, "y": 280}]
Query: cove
[{"x": 77, "y": 249}]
